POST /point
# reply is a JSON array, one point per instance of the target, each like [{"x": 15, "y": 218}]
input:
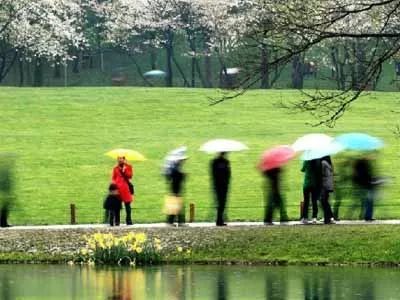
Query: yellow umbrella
[{"x": 131, "y": 155}]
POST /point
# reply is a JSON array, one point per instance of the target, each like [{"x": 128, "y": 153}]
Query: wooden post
[
  {"x": 191, "y": 212},
  {"x": 73, "y": 214},
  {"x": 301, "y": 209}
]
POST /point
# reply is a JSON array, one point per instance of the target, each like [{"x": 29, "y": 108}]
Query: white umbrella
[
  {"x": 323, "y": 150},
  {"x": 155, "y": 73},
  {"x": 173, "y": 157},
  {"x": 232, "y": 71},
  {"x": 313, "y": 141},
  {"x": 177, "y": 154},
  {"x": 222, "y": 145}
]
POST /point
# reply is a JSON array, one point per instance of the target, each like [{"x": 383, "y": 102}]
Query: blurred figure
[
  {"x": 364, "y": 185},
  {"x": 175, "y": 178},
  {"x": 113, "y": 205},
  {"x": 273, "y": 196},
  {"x": 6, "y": 188},
  {"x": 311, "y": 188},
  {"x": 327, "y": 188},
  {"x": 222, "y": 287},
  {"x": 121, "y": 176},
  {"x": 221, "y": 175},
  {"x": 343, "y": 175}
]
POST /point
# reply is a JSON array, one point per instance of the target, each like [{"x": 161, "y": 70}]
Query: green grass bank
[
  {"x": 320, "y": 245},
  {"x": 60, "y": 137}
]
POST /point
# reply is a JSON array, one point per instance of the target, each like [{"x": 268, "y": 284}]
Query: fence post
[
  {"x": 301, "y": 209},
  {"x": 73, "y": 214},
  {"x": 191, "y": 212}
]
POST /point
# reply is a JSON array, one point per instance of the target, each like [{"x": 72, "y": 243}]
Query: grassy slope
[{"x": 60, "y": 136}]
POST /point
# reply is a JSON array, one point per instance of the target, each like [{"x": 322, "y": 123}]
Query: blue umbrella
[{"x": 359, "y": 141}]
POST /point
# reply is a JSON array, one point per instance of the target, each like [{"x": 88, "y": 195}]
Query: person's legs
[
  {"x": 315, "y": 194},
  {"x": 170, "y": 219},
  {"x": 181, "y": 216},
  {"x": 117, "y": 217},
  {"x": 269, "y": 209},
  {"x": 128, "y": 211},
  {"x": 3, "y": 216},
  {"x": 282, "y": 208},
  {"x": 306, "y": 202},
  {"x": 111, "y": 217},
  {"x": 221, "y": 202},
  {"x": 326, "y": 207},
  {"x": 369, "y": 205}
]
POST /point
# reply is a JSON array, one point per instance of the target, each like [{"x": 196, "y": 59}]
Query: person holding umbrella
[
  {"x": 221, "y": 175},
  {"x": 364, "y": 185},
  {"x": 327, "y": 188},
  {"x": 121, "y": 175},
  {"x": 311, "y": 188},
  {"x": 220, "y": 171},
  {"x": 270, "y": 165},
  {"x": 174, "y": 207}
]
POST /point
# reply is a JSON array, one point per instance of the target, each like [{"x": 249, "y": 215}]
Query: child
[{"x": 112, "y": 205}]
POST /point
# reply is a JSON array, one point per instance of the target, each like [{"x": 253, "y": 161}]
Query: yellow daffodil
[
  {"x": 139, "y": 250},
  {"x": 180, "y": 249}
]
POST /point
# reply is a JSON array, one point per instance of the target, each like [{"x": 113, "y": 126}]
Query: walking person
[
  {"x": 364, "y": 184},
  {"x": 121, "y": 176},
  {"x": 327, "y": 188},
  {"x": 273, "y": 196},
  {"x": 113, "y": 205},
  {"x": 221, "y": 175},
  {"x": 175, "y": 208},
  {"x": 311, "y": 188}
]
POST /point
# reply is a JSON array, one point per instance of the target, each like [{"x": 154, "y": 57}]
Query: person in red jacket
[{"x": 122, "y": 173}]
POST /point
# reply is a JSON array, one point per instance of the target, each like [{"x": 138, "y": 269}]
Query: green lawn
[{"x": 61, "y": 135}]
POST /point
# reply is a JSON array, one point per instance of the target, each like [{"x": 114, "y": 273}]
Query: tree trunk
[
  {"x": 207, "y": 67},
  {"x": 264, "y": 68},
  {"x": 77, "y": 62},
  {"x": 38, "y": 73},
  {"x": 192, "y": 43},
  {"x": 180, "y": 70},
  {"x": 297, "y": 72},
  {"x": 21, "y": 70},
  {"x": 57, "y": 68},
  {"x": 169, "y": 57},
  {"x": 153, "y": 59}
]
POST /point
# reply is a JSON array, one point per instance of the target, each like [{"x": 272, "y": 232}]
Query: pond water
[{"x": 197, "y": 282}]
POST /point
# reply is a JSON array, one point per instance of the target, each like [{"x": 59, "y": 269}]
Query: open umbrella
[
  {"x": 359, "y": 141},
  {"x": 222, "y": 145},
  {"x": 173, "y": 157},
  {"x": 276, "y": 157},
  {"x": 131, "y": 155},
  {"x": 312, "y": 141},
  {"x": 155, "y": 73},
  {"x": 323, "y": 150}
]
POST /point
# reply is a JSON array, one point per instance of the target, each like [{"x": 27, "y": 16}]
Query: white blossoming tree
[{"x": 38, "y": 29}]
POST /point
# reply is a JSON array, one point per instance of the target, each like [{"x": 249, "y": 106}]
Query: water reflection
[{"x": 198, "y": 282}]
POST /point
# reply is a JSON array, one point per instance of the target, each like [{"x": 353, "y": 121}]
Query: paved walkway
[{"x": 197, "y": 224}]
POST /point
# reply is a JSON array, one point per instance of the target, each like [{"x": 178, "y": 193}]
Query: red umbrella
[{"x": 276, "y": 157}]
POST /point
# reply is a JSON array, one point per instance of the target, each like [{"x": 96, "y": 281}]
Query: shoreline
[{"x": 373, "y": 245}]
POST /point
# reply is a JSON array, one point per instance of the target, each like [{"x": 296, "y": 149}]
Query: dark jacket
[
  {"x": 312, "y": 174},
  {"x": 327, "y": 176},
  {"x": 112, "y": 202},
  {"x": 221, "y": 172},
  {"x": 362, "y": 175},
  {"x": 273, "y": 176},
  {"x": 176, "y": 178}
]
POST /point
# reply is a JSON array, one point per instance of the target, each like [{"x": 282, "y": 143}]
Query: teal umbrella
[{"x": 359, "y": 141}]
